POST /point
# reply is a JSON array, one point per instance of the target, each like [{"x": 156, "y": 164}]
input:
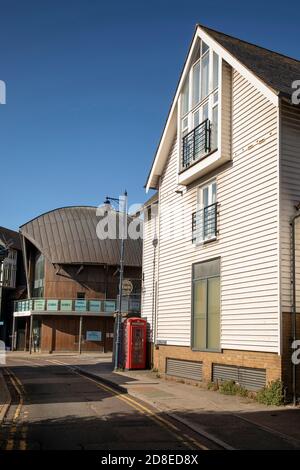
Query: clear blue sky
[{"x": 89, "y": 85}]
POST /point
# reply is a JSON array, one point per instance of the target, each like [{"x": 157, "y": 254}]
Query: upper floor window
[
  {"x": 204, "y": 220},
  {"x": 39, "y": 276},
  {"x": 8, "y": 270},
  {"x": 199, "y": 106}
]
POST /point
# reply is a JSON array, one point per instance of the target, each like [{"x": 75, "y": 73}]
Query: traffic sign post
[{"x": 127, "y": 287}]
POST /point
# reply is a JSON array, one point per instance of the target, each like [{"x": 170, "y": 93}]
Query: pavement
[
  {"x": 55, "y": 407},
  {"x": 220, "y": 421},
  {"x": 232, "y": 421}
]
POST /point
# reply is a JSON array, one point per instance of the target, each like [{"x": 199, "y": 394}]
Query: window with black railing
[
  {"x": 196, "y": 144},
  {"x": 204, "y": 224}
]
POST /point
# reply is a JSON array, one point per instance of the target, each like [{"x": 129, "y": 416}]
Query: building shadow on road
[{"x": 67, "y": 412}]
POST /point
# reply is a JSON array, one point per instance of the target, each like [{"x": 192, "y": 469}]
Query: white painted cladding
[
  {"x": 149, "y": 273},
  {"x": 247, "y": 241},
  {"x": 290, "y": 197}
]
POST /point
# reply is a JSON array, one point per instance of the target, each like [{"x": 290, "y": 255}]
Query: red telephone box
[{"x": 135, "y": 332}]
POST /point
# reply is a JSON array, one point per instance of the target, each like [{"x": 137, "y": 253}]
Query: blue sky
[{"x": 89, "y": 85}]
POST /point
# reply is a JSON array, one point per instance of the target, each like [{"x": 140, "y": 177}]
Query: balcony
[
  {"x": 200, "y": 153},
  {"x": 205, "y": 224},
  {"x": 196, "y": 144},
  {"x": 130, "y": 304}
]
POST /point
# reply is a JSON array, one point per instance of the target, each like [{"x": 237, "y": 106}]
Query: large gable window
[{"x": 199, "y": 106}]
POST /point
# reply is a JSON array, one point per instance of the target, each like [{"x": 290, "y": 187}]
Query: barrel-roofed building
[{"x": 72, "y": 280}]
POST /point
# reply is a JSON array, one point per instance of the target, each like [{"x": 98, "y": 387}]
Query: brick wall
[{"x": 269, "y": 361}]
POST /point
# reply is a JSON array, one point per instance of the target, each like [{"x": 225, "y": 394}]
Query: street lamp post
[
  {"x": 3, "y": 254},
  {"x": 123, "y": 211}
]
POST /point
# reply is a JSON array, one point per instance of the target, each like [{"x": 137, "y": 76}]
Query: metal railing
[
  {"x": 196, "y": 144},
  {"x": 204, "y": 224},
  {"x": 130, "y": 304}
]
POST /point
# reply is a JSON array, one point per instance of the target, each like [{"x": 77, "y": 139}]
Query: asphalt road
[{"x": 55, "y": 407}]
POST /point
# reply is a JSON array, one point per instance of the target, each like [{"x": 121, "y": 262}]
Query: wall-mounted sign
[
  {"x": 80, "y": 305},
  {"x": 127, "y": 287},
  {"x": 39, "y": 304},
  {"x": 94, "y": 336},
  {"x": 95, "y": 306},
  {"x": 52, "y": 305},
  {"x": 109, "y": 306},
  {"x": 66, "y": 305}
]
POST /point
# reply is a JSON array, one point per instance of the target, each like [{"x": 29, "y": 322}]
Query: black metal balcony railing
[
  {"x": 204, "y": 223},
  {"x": 196, "y": 144}
]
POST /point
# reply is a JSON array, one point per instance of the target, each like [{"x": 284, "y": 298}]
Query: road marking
[
  {"x": 13, "y": 429},
  {"x": 166, "y": 424},
  {"x": 17, "y": 359}
]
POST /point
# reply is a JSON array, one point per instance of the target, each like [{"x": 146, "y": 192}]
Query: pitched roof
[
  {"x": 68, "y": 235},
  {"x": 276, "y": 70},
  {"x": 273, "y": 71},
  {"x": 10, "y": 238}
]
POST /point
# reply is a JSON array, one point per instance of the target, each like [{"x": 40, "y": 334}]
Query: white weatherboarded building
[{"x": 218, "y": 258}]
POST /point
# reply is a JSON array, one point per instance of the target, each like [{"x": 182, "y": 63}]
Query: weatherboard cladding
[
  {"x": 247, "y": 240},
  {"x": 150, "y": 262},
  {"x": 68, "y": 235},
  {"x": 289, "y": 198}
]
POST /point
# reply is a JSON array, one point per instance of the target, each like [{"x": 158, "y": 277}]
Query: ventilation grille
[
  {"x": 247, "y": 377},
  {"x": 185, "y": 369}
]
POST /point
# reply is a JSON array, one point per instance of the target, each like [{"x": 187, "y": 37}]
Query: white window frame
[
  {"x": 9, "y": 270},
  {"x": 209, "y": 184},
  {"x": 194, "y": 108},
  {"x": 200, "y": 206}
]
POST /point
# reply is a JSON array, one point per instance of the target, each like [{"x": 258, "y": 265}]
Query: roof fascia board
[{"x": 235, "y": 63}]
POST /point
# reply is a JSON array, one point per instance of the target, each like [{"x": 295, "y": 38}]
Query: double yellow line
[
  {"x": 10, "y": 444},
  {"x": 181, "y": 436}
]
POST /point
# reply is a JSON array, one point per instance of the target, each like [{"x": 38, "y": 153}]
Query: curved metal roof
[{"x": 68, "y": 236}]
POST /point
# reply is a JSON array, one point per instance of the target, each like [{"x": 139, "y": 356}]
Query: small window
[
  {"x": 196, "y": 83},
  {"x": 205, "y": 218},
  {"x": 185, "y": 125},
  {"x": 185, "y": 99},
  {"x": 204, "y": 48},
  {"x": 214, "y": 127},
  {"x": 204, "y": 76},
  {"x": 206, "y": 305},
  {"x": 215, "y": 70},
  {"x": 80, "y": 295}
]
